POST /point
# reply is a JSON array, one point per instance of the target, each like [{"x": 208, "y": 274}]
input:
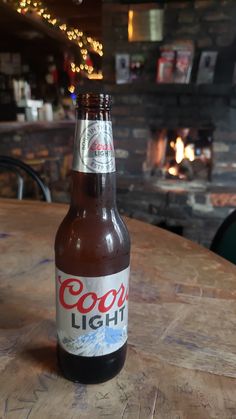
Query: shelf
[
  {"x": 13, "y": 126},
  {"x": 172, "y": 89}
]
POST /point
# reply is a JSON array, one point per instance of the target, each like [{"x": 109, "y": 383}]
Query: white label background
[
  {"x": 90, "y": 342},
  {"x": 88, "y": 132}
]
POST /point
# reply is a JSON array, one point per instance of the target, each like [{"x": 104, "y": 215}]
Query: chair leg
[
  {"x": 48, "y": 194},
  {"x": 20, "y": 189}
]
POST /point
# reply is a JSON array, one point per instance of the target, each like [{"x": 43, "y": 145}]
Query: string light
[
  {"x": 71, "y": 89},
  {"x": 95, "y": 76},
  {"x": 82, "y": 68},
  {"x": 75, "y": 35}
]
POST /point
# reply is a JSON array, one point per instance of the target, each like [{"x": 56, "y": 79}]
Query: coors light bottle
[{"x": 92, "y": 251}]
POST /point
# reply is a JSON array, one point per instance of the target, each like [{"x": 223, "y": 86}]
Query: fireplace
[
  {"x": 192, "y": 190},
  {"x": 180, "y": 154}
]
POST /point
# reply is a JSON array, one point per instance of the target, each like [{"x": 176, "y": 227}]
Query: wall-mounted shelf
[{"x": 172, "y": 89}]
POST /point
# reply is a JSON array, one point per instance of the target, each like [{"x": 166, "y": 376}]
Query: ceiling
[{"x": 87, "y": 16}]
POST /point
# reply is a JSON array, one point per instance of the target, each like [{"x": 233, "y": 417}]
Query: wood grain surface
[{"x": 181, "y": 360}]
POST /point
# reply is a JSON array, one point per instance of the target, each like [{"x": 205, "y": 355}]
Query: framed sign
[
  {"x": 122, "y": 68},
  {"x": 145, "y": 23}
]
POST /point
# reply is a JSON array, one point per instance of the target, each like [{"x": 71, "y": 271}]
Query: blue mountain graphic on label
[
  {"x": 101, "y": 149},
  {"x": 96, "y": 343}
]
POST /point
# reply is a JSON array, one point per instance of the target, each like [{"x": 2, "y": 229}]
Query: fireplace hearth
[{"x": 180, "y": 154}]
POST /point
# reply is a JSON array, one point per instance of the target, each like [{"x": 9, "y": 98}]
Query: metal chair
[
  {"x": 224, "y": 242},
  {"x": 18, "y": 167}
]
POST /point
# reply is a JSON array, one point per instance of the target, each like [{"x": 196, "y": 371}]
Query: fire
[
  {"x": 182, "y": 152},
  {"x": 189, "y": 152},
  {"x": 173, "y": 171},
  {"x": 179, "y": 150}
]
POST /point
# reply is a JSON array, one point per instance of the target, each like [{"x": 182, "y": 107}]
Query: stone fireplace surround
[
  {"x": 194, "y": 209},
  {"x": 139, "y": 108}
]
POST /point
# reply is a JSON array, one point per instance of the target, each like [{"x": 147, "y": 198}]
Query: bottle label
[
  {"x": 93, "y": 147},
  {"x": 92, "y": 312}
]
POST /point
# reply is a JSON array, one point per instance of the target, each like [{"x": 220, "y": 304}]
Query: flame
[
  {"x": 173, "y": 171},
  {"x": 179, "y": 150},
  {"x": 182, "y": 152},
  {"x": 189, "y": 152}
]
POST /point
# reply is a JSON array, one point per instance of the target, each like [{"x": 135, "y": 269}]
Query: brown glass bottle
[{"x": 92, "y": 252}]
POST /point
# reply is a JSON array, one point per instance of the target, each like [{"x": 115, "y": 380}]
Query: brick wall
[
  {"x": 47, "y": 147},
  {"x": 140, "y": 108}
]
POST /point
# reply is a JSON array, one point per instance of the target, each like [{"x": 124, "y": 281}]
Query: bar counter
[{"x": 15, "y": 126}]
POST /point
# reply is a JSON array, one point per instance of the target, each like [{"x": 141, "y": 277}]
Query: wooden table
[{"x": 182, "y": 337}]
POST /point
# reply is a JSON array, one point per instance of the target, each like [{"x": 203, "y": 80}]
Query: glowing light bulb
[{"x": 71, "y": 89}]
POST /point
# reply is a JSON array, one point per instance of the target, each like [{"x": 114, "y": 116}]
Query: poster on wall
[
  {"x": 183, "y": 66},
  {"x": 175, "y": 63},
  {"x": 206, "y": 69},
  {"x": 165, "y": 66},
  {"x": 122, "y": 68},
  {"x": 137, "y": 62}
]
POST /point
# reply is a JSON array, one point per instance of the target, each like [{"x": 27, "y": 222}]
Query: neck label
[{"x": 93, "y": 147}]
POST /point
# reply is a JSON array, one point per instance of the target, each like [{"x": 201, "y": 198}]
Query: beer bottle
[{"x": 92, "y": 252}]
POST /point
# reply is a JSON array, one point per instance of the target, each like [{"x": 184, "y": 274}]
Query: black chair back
[
  {"x": 17, "y": 166},
  {"x": 224, "y": 242}
]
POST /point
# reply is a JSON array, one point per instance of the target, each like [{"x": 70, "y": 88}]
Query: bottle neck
[
  {"x": 92, "y": 193},
  {"x": 93, "y": 174},
  {"x": 93, "y": 144}
]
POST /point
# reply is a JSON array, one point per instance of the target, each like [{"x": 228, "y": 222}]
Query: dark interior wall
[
  {"x": 141, "y": 107},
  {"x": 210, "y": 24}
]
